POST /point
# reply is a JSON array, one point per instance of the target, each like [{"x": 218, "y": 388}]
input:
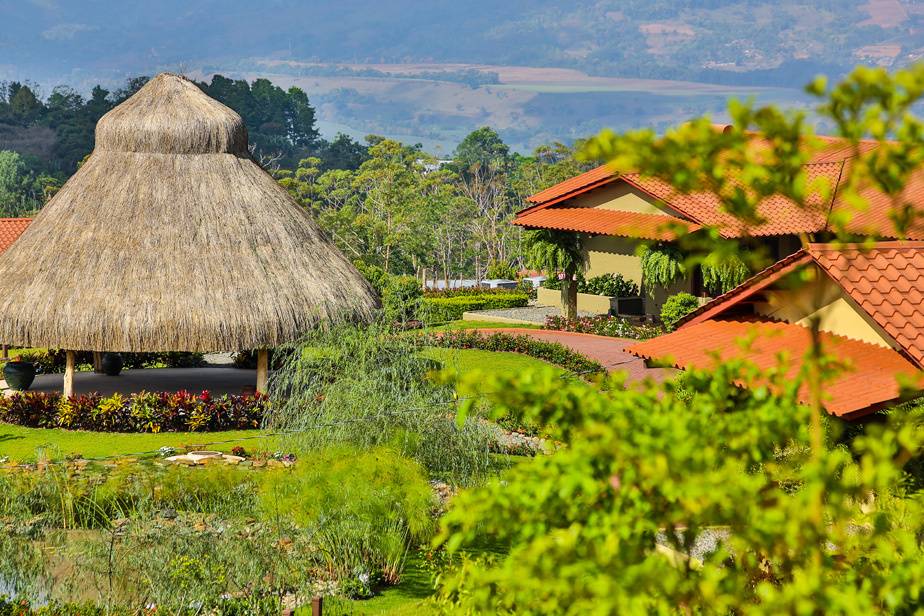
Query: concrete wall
[{"x": 796, "y": 301}]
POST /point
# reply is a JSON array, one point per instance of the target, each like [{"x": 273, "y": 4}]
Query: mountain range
[{"x": 429, "y": 70}]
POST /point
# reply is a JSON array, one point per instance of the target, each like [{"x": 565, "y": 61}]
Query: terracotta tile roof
[
  {"x": 781, "y": 216},
  {"x": 874, "y": 221},
  {"x": 574, "y": 186},
  {"x": 869, "y": 382},
  {"x": 606, "y": 222},
  {"x": 756, "y": 283},
  {"x": 10, "y": 230},
  {"x": 887, "y": 282}
]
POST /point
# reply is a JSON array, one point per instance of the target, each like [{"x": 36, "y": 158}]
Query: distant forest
[
  {"x": 387, "y": 205},
  {"x": 42, "y": 142}
]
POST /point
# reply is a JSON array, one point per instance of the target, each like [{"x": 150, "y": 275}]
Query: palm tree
[{"x": 557, "y": 251}]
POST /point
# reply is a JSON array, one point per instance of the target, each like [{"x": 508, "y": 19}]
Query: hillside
[
  {"x": 731, "y": 41},
  {"x": 537, "y": 70}
]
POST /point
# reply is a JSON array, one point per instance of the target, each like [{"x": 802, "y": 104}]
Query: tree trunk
[{"x": 569, "y": 297}]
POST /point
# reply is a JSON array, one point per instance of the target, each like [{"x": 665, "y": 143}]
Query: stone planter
[
  {"x": 19, "y": 374},
  {"x": 112, "y": 363}
]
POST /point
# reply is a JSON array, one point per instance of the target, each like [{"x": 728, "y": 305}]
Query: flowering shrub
[
  {"x": 603, "y": 325},
  {"x": 612, "y": 285},
  {"x": 180, "y": 411},
  {"x": 551, "y": 352}
]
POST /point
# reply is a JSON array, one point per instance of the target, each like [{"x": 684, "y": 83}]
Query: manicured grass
[
  {"x": 471, "y": 360},
  {"x": 27, "y": 444},
  {"x": 454, "y": 325}
]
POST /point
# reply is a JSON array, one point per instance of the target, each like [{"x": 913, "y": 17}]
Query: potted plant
[
  {"x": 112, "y": 363},
  {"x": 19, "y": 374}
]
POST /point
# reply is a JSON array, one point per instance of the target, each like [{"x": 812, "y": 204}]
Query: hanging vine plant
[
  {"x": 662, "y": 266},
  {"x": 723, "y": 272}
]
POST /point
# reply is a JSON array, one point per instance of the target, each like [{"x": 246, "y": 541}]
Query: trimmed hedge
[
  {"x": 442, "y": 309},
  {"x": 470, "y": 292},
  {"x": 551, "y": 352},
  {"x": 180, "y": 411}
]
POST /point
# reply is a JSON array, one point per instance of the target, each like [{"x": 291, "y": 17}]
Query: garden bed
[{"x": 180, "y": 411}]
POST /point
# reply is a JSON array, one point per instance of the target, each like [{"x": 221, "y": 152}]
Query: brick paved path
[{"x": 604, "y": 349}]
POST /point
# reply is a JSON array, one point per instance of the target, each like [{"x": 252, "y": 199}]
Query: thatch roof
[{"x": 171, "y": 238}]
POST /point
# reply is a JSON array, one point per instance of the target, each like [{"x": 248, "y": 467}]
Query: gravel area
[
  {"x": 706, "y": 542},
  {"x": 533, "y": 314}
]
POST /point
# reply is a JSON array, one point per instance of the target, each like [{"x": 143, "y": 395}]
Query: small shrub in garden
[
  {"x": 500, "y": 270},
  {"x": 471, "y": 291},
  {"x": 676, "y": 307}
]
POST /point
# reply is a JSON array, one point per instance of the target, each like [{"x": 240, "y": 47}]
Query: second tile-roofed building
[{"x": 867, "y": 303}]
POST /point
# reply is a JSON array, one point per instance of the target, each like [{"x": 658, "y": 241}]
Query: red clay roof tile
[
  {"x": 781, "y": 216},
  {"x": 10, "y": 230},
  {"x": 869, "y": 381},
  {"x": 606, "y": 222},
  {"x": 886, "y": 282}
]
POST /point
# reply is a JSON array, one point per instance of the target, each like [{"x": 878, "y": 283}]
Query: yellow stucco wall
[
  {"x": 822, "y": 298},
  {"x": 618, "y": 255},
  {"x": 620, "y": 197},
  {"x": 605, "y": 254}
]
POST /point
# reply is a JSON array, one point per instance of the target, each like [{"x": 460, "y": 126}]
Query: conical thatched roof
[{"x": 171, "y": 238}]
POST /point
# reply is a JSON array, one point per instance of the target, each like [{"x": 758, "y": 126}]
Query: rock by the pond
[{"x": 203, "y": 457}]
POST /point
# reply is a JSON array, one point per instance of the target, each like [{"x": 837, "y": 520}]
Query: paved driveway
[{"x": 216, "y": 380}]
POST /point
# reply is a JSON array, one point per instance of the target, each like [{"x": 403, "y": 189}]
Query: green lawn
[
  {"x": 27, "y": 444},
  {"x": 470, "y": 360}
]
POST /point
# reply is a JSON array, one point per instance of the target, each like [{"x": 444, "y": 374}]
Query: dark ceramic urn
[
  {"x": 112, "y": 363},
  {"x": 19, "y": 374}
]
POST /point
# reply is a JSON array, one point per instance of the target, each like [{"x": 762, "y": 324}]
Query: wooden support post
[
  {"x": 317, "y": 606},
  {"x": 262, "y": 369},
  {"x": 6, "y": 351},
  {"x": 70, "y": 359}
]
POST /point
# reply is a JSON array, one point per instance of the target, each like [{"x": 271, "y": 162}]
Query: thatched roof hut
[{"x": 171, "y": 238}]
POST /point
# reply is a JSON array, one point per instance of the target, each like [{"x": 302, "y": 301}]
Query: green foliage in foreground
[
  {"x": 748, "y": 518},
  {"x": 341, "y": 522}
]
